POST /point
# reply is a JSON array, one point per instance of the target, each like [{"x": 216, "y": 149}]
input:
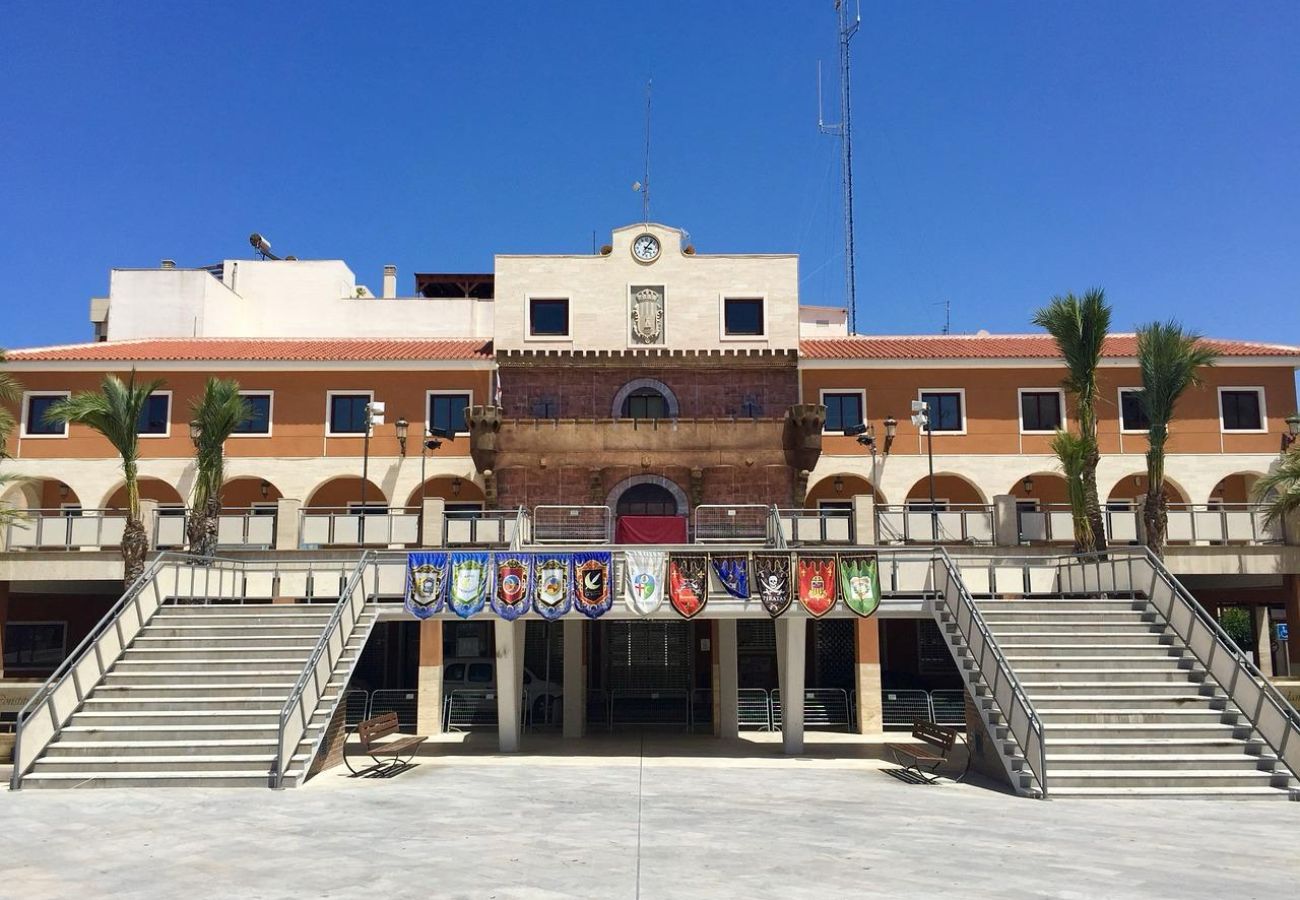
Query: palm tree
[
  {"x": 1072, "y": 452},
  {"x": 217, "y": 413},
  {"x": 1170, "y": 360},
  {"x": 114, "y": 411},
  {"x": 1079, "y": 326},
  {"x": 11, "y": 392},
  {"x": 1279, "y": 490}
]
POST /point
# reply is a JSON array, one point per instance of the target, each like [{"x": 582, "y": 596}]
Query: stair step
[
  {"x": 189, "y": 705},
  {"x": 220, "y": 746},
  {"x": 110, "y": 778},
  {"x": 1156, "y": 778},
  {"x": 1109, "y": 640},
  {"x": 1170, "y": 793},
  {"x": 1145, "y": 675},
  {"x": 1116, "y": 690},
  {"x": 1064, "y": 762},
  {"x": 162, "y": 764}
]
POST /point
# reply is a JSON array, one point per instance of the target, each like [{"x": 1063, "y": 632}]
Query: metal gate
[
  {"x": 835, "y": 654},
  {"x": 648, "y": 673},
  {"x": 544, "y": 662}
]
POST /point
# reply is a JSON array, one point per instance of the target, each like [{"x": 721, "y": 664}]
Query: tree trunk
[
  {"x": 1091, "y": 503},
  {"x": 1155, "y": 519},
  {"x": 135, "y": 544}
]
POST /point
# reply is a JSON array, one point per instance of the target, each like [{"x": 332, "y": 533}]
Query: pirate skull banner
[
  {"x": 643, "y": 580},
  {"x": 732, "y": 570},
  {"x": 514, "y": 586},
  {"x": 772, "y": 579},
  {"x": 471, "y": 582},
  {"x": 860, "y": 582},
  {"x": 817, "y": 584},
  {"x": 591, "y": 576},
  {"x": 551, "y": 585},
  {"x": 426, "y": 578},
  {"x": 688, "y": 583}
]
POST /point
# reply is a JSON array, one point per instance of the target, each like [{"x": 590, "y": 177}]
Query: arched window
[
  {"x": 647, "y": 500},
  {"x": 645, "y": 403}
]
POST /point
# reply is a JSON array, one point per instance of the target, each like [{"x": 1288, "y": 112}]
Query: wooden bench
[
  {"x": 389, "y": 753},
  {"x": 942, "y": 739}
]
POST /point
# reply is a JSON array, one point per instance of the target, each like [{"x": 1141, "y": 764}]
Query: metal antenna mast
[
  {"x": 643, "y": 187},
  {"x": 844, "y": 131}
]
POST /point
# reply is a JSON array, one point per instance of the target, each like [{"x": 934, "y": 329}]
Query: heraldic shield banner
[
  {"x": 471, "y": 582},
  {"x": 688, "y": 583},
  {"x": 860, "y": 582},
  {"x": 643, "y": 580},
  {"x": 772, "y": 581},
  {"x": 592, "y": 595},
  {"x": 551, "y": 585},
  {"x": 514, "y": 586},
  {"x": 817, "y": 584},
  {"x": 426, "y": 580},
  {"x": 732, "y": 570}
]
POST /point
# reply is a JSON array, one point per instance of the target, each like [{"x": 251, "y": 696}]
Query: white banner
[{"x": 643, "y": 580}]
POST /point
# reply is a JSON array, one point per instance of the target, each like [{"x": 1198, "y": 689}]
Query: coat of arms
[{"x": 648, "y": 315}]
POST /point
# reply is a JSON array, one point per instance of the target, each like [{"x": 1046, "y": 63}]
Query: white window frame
[
  {"x": 861, "y": 392},
  {"x": 428, "y": 402},
  {"x": 63, "y": 622},
  {"x": 1020, "y": 408},
  {"x": 723, "y": 335},
  {"x": 263, "y": 507},
  {"x": 22, "y": 429},
  {"x": 270, "y": 415},
  {"x": 329, "y": 404},
  {"x": 1119, "y": 410},
  {"x": 567, "y": 337},
  {"x": 170, "y": 410},
  {"x": 965, "y": 413},
  {"x": 1263, "y": 412}
]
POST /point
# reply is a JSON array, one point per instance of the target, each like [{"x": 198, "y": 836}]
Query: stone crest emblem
[{"x": 647, "y": 314}]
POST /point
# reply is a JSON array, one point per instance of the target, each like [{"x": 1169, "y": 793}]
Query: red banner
[{"x": 817, "y": 584}]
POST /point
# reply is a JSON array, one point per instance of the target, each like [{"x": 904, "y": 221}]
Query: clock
[{"x": 646, "y": 248}]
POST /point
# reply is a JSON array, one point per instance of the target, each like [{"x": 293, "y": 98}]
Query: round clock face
[{"x": 646, "y": 248}]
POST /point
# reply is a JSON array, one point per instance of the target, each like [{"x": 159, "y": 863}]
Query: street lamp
[
  {"x": 921, "y": 419},
  {"x": 196, "y": 431},
  {"x": 891, "y": 430},
  {"x": 374, "y": 416},
  {"x": 1292, "y": 431},
  {"x": 401, "y": 425}
]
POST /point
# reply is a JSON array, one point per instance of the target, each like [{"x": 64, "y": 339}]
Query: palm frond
[
  {"x": 1079, "y": 326},
  {"x": 1072, "y": 453},
  {"x": 1279, "y": 490},
  {"x": 8, "y": 512},
  {"x": 1170, "y": 360},
  {"x": 218, "y": 412},
  {"x": 11, "y": 393}
]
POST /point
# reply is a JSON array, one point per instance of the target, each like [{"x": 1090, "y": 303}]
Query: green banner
[{"x": 860, "y": 582}]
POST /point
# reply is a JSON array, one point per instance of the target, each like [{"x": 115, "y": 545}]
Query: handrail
[
  {"x": 284, "y": 750},
  {"x": 776, "y": 531},
  {"x": 517, "y": 539},
  {"x": 66, "y": 668},
  {"x": 1032, "y": 727}
]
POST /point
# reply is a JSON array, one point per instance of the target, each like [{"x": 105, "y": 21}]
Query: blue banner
[
  {"x": 514, "y": 585},
  {"x": 551, "y": 584},
  {"x": 733, "y": 573},
  {"x": 471, "y": 582},
  {"x": 592, "y": 595},
  {"x": 426, "y": 583}
]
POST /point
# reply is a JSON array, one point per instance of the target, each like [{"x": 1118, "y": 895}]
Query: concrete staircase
[
  {"x": 195, "y": 701},
  {"x": 1126, "y": 710}
]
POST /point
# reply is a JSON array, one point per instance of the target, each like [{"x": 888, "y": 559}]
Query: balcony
[
  {"x": 59, "y": 529},
  {"x": 342, "y": 527},
  {"x": 954, "y": 524}
]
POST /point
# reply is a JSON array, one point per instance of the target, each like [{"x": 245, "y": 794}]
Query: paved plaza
[{"x": 632, "y": 817}]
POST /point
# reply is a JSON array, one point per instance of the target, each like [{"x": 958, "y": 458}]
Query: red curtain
[{"x": 650, "y": 530}]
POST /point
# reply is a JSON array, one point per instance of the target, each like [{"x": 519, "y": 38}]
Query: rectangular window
[
  {"x": 155, "y": 415},
  {"x": 548, "y": 317},
  {"x": 259, "y": 422},
  {"x": 348, "y": 413},
  {"x": 447, "y": 413},
  {"x": 34, "y": 645},
  {"x": 1040, "y": 411},
  {"x": 1242, "y": 409},
  {"x": 743, "y": 317},
  {"x": 34, "y": 424},
  {"x": 945, "y": 410},
  {"x": 844, "y": 409},
  {"x": 1132, "y": 417}
]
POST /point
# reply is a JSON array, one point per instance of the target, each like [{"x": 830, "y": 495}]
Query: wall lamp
[
  {"x": 866, "y": 434},
  {"x": 1292, "y": 431},
  {"x": 1028, "y": 484},
  {"x": 63, "y": 491},
  {"x": 266, "y": 489},
  {"x": 838, "y": 484},
  {"x": 455, "y": 486},
  {"x": 196, "y": 431},
  {"x": 402, "y": 427}
]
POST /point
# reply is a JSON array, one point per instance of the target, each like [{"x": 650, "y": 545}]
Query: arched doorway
[
  {"x": 649, "y": 509},
  {"x": 645, "y": 398},
  {"x": 646, "y": 500}
]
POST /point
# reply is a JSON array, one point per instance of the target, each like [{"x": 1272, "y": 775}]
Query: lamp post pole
[{"x": 921, "y": 419}]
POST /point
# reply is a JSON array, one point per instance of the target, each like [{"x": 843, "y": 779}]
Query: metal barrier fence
[
  {"x": 632, "y": 707},
  {"x": 904, "y": 707},
  {"x": 955, "y": 524},
  {"x": 465, "y": 709},
  {"x": 702, "y": 708},
  {"x": 718, "y": 523},
  {"x": 822, "y": 708},
  {"x": 356, "y": 708},
  {"x": 754, "y": 709},
  {"x": 402, "y": 702},
  {"x": 948, "y": 708},
  {"x": 572, "y": 525}
]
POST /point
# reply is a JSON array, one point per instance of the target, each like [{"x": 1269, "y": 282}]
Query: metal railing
[
  {"x": 650, "y": 708},
  {"x": 1022, "y": 720},
  {"x": 248, "y": 528},
  {"x": 822, "y": 708},
  {"x": 348, "y": 528},
  {"x": 734, "y": 524},
  {"x": 1046, "y": 525},
  {"x": 69, "y": 685},
  {"x": 59, "y": 529},
  {"x": 956, "y": 524},
  {"x": 300, "y": 706},
  {"x": 902, "y": 708},
  {"x": 402, "y": 701},
  {"x": 487, "y": 528},
  {"x": 948, "y": 708},
  {"x": 572, "y": 525},
  {"x": 1225, "y": 523},
  {"x": 754, "y": 709},
  {"x": 803, "y": 527}
]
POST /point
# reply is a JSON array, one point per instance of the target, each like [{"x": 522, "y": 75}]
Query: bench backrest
[
  {"x": 372, "y": 730},
  {"x": 935, "y": 735}
]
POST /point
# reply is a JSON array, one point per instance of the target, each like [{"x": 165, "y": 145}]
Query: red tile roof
[
  {"x": 260, "y": 349},
  {"x": 1001, "y": 346}
]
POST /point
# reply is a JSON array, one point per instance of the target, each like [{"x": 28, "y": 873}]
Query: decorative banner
[
  {"x": 471, "y": 582},
  {"x": 643, "y": 580},
  {"x": 514, "y": 590},
  {"x": 775, "y": 588},
  {"x": 426, "y": 579},
  {"x": 551, "y": 585},
  {"x": 732, "y": 570},
  {"x": 591, "y": 590},
  {"x": 688, "y": 583},
  {"x": 860, "y": 582},
  {"x": 817, "y": 584}
]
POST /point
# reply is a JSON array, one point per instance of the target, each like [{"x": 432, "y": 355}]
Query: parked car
[{"x": 479, "y": 673}]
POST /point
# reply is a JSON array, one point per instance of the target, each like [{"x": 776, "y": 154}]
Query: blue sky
[{"x": 1005, "y": 152}]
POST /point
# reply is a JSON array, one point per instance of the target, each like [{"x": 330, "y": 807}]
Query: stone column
[
  {"x": 149, "y": 518},
  {"x": 510, "y": 682},
  {"x": 870, "y": 711},
  {"x": 287, "y": 523},
  {"x": 1006, "y": 521},
  {"x": 575, "y": 678},
  {"x": 428, "y": 697},
  {"x": 791, "y": 646},
  {"x": 1263, "y": 639},
  {"x": 864, "y": 519},
  {"x": 1291, "y": 583},
  {"x": 431, "y": 516},
  {"x": 4, "y": 617},
  {"x": 727, "y": 662},
  {"x": 1140, "y": 518}
]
